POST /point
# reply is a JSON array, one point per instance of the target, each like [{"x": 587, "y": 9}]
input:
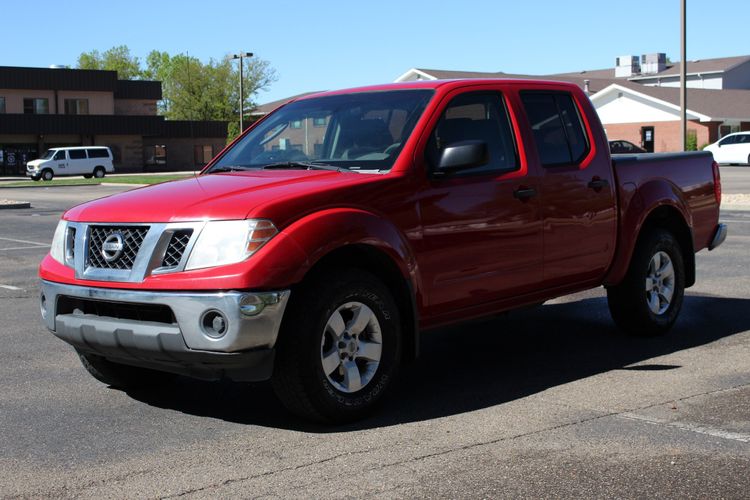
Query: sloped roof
[
  {"x": 693, "y": 67},
  {"x": 266, "y": 108},
  {"x": 716, "y": 104}
]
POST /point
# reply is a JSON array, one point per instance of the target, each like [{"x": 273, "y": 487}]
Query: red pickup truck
[{"x": 316, "y": 247}]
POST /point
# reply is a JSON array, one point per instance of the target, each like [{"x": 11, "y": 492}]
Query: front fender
[{"x": 322, "y": 232}]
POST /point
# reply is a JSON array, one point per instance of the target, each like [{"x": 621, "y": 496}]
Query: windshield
[
  {"x": 48, "y": 154},
  {"x": 360, "y": 131}
]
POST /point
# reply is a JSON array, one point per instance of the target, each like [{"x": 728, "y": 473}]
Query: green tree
[
  {"x": 191, "y": 89},
  {"x": 118, "y": 59}
]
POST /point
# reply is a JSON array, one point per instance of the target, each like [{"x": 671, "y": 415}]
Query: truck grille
[
  {"x": 121, "y": 249},
  {"x": 176, "y": 248}
]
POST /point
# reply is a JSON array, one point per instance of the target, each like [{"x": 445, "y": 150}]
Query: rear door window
[
  {"x": 557, "y": 126},
  {"x": 77, "y": 154},
  {"x": 98, "y": 153}
]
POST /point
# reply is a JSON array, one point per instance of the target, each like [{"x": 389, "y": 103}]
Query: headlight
[
  {"x": 229, "y": 241},
  {"x": 57, "y": 251}
]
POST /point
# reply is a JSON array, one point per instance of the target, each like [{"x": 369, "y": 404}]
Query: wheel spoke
[
  {"x": 331, "y": 361},
  {"x": 352, "y": 379},
  {"x": 667, "y": 292},
  {"x": 370, "y": 350},
  {"x": 649, "y": 283},
  {"x": 653, "y": 302},
  {"x": 666, "y": 270},
  {"x": 336, "y": 325},
  {"x": 362, "y": 315}
]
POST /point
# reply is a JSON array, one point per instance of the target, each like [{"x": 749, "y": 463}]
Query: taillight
[{"x": 717, "y": 182}]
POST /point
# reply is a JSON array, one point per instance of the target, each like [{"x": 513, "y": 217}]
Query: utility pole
[
  {"x": 241, "y": 56},
  {"x": 683, "y": 77}
]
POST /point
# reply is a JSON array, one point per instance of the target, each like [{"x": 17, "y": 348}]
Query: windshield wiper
[
  {"x": 302, "y": 164},
  {"x": 228, "y": 168}
]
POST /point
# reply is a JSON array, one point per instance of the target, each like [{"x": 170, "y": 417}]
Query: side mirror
[{"x": 462, "y": 155}]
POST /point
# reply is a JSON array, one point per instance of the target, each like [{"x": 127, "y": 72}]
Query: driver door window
[{"x": 476, "y": 117}]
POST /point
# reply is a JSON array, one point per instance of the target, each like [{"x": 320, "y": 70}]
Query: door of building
[{"x": 647, "y": 139}]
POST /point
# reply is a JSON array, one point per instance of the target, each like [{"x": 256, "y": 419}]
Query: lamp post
[
  {"x": 241, "y": 56},
  {"x": 683, "y": 77}
]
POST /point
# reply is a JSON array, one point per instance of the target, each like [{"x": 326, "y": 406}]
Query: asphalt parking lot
[{"x": 545, "y": 402}]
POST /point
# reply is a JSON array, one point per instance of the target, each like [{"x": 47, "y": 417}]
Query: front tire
[
  {"x": 339, "y": 348},
  {"x": 649, "y": 299},
  {"x": 48, "y": 175},
  {"x": 119, "y": 375}
]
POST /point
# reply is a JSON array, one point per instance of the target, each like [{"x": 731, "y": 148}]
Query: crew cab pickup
[{"x": 317, "y": 246}]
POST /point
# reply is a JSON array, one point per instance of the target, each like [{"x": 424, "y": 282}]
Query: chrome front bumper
[{"x": 185, "y": 344}]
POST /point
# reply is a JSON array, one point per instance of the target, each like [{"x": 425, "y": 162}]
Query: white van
[{"x": 88, "y": 161}]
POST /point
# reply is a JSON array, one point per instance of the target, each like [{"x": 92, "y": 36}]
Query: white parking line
[
  {"x": 25, "y": 241},
  {"x": 24, "y": 248},
  {"x": 10, "y": 287},
  {"x": 686, "y": 426}
]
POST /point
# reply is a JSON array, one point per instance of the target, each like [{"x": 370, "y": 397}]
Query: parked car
[
  {"x": 88, "y": 161},
  {"x": 319, "y": 245},
  {"x": 624, "y": 147},
  {"x": 731, "y": 149}
]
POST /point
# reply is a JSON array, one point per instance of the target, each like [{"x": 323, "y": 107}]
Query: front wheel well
[
  {"x": 670, "y": 219},
  {"x": 373, "y": 260}
]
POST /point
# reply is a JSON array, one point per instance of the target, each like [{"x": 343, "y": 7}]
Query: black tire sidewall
[
  {"x": 51, "y": 175},
  {"x": 628, "y": 300},
  {"x": 304, "y": 333},
  {"x": 96, "y": 172}
]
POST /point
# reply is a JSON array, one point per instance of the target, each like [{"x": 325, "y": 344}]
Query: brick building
[{"x": 42, "y": 108}]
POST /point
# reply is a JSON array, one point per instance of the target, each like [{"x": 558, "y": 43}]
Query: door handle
[
  {"x": 597, "y": 184},
  {"x": 524, "y": 193}
]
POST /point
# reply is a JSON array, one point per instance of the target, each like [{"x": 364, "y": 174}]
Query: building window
[
  {"x": 728, "y": 129},
  {"x": 2, "y": 105},
  {"x": 202, "y": 154},
  {"x": 76, "y": 106},
  {"x": 296, "y": 124},
  {"x": 36, "y": 106},
  {"x": 319, "y": 122},
  {"x": 155, "y": 155}
]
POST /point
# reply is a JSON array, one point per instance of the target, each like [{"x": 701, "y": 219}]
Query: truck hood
[{"x": 234, "y": 195}]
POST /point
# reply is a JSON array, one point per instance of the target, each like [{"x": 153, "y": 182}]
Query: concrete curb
[
  {"x": 17, "y": 204},
  {"x": 37, "y": 186}
]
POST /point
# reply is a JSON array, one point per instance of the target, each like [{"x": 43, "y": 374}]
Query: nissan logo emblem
[{"x": 112, "y": 247}]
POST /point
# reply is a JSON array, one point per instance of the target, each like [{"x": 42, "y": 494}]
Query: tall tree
[
  {"x": 118, "y": 59},
  {"x": 191, "y": 90}
]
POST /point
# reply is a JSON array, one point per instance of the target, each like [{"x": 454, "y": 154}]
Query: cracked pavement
[{"x": 551, "y": 402}]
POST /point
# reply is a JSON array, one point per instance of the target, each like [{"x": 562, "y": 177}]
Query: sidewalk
[{"x": 136, "y": 174}]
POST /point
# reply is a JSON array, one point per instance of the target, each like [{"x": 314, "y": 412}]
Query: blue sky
[{"x": 318, "y": 45}]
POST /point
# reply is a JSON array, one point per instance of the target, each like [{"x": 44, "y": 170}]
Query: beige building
[{"x": 42, "y": 108}]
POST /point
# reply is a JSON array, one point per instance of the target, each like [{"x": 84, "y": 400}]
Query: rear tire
[
  {"x": 99, "y": 172},
  {"x": 339, "y": 347},
  {"x": 48, "y": 175},
  {"x": 648, "y": 300},
  {"x": 122, "y": 376}
]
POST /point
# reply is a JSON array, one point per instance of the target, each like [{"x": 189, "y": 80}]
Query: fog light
[
  {"x": 43, "y": 306},
  {"x": 214, "y": 324},
  {"x": 251, "y": 305}
]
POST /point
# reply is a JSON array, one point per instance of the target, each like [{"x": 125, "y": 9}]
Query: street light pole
[
  {"x": 683, "y": 77},
  {"x": 241, "y": 56}
]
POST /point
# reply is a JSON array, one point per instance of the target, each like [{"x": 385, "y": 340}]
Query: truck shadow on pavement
[{"x": 484, "y": 363}]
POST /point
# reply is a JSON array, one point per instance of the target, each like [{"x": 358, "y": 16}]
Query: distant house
[
  {"x": 264, "y": 109},
  {"x": 638, "y": 99},
  {"x": 42, "y": 108}
]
